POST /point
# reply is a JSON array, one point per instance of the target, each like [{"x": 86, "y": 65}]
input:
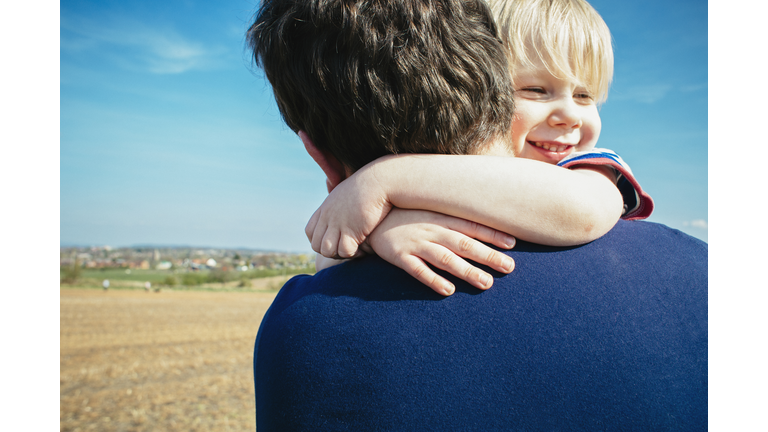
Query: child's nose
[{"x": 565, "y": 115}]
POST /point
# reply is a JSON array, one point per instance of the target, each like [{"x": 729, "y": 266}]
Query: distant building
[{"x": 164, "y": 265}]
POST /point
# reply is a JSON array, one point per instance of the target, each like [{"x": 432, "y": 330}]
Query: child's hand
[
  {"x": 408, "y": 238},
  {"x": 348, "y": 215}
]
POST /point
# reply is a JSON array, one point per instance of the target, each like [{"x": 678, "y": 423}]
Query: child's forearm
[{"x": 530, "y": 200}]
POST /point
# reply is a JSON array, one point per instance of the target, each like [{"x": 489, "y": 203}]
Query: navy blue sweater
[{"x": 609, "y": 336}]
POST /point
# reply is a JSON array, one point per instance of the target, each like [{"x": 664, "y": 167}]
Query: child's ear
[{"x": 333, "y": 169}]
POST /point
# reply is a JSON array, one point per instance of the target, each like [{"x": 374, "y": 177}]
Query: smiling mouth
[{"x": 558, "y": 148}]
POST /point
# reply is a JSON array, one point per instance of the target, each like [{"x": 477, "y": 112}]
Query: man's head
[
  {"x": 367, "y": 78},
  {"x": 567, "y": 36}
]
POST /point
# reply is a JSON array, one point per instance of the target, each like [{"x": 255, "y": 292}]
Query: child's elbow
[{"x": 601, "y": 215}]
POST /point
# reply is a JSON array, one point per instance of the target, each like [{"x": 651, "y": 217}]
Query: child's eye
[
  {"x": 533, "y": 90},
  {"x": 584, "y": 98}
]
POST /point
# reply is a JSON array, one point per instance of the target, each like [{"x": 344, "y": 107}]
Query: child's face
[{"x": 553, "y": 117}]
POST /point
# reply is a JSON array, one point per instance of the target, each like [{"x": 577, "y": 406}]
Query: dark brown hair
[{"x": 367, "y": 78}]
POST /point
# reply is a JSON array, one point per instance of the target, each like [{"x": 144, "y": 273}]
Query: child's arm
[
  {"x": 528, "y": 199},
  {"x": 407, "y": 238}
]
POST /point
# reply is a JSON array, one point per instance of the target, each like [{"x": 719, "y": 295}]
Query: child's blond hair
[{"x": 568, "y": 36}]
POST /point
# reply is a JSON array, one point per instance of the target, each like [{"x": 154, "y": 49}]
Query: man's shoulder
[
  {"x": 373, "y": 279},
  {"x": 637, "y": 231},
  {"x": 615, "y": 329},
  {"x": 634, "y": 252},
  {"x": 654, "y": 240},
  {"x": 634, "y": 257},
  {"x": 637, "y": 227},
  {"x": 367, "y": 279},
  {"x": 640, "y": 241}
]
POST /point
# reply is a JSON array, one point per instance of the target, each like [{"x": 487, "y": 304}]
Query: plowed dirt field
[{"x": 158, "y": 361}]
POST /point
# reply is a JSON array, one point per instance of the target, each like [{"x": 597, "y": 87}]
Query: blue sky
[{"x": 167, "y": 136}]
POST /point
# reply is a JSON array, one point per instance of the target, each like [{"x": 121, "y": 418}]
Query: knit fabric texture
[{"x": 608, "y": 336}]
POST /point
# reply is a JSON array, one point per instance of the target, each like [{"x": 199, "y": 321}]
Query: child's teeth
[{"x": 549, "y": 147}]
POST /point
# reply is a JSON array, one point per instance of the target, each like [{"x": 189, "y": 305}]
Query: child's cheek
[{"x": 590, "y": 131}]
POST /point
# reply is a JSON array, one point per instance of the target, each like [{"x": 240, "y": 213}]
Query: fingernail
[
  {"x": 507, "y": 264},
  {"x": 449, "y": 288},
  {"x": 486, "y": 280},
  {"x": 509, "y": 242}
]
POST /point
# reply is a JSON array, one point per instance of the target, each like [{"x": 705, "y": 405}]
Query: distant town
[{"x": 180, "y": 258}]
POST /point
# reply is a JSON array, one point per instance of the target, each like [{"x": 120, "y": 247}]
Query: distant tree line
[{"x": 222, "y": 276}]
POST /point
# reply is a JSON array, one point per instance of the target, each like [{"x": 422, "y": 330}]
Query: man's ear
[{"x": 333, "y": 169}]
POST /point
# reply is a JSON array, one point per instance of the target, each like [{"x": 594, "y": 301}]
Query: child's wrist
[{"x": 377, "y": 177}]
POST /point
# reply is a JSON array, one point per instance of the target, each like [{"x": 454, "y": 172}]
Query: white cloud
[
  {"x": 151, "y": 49},
  {"x": 697, "y": 223}
]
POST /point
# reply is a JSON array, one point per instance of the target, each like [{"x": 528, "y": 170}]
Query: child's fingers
[
  {"x": 416, "y": 268},
  {"x": 497, "y": 238},
  {"x": 481, "y": 232},
  {"x": 309, "y": 230},
  {"x": 330, "y": 243},
  {"x": 319, "y": 237},
  {"x": 347, "y": 246},
  {"x": 446, "y": 259},
  {"x": 476, "y": 251},
  {"x": 365, "y": 248}
]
